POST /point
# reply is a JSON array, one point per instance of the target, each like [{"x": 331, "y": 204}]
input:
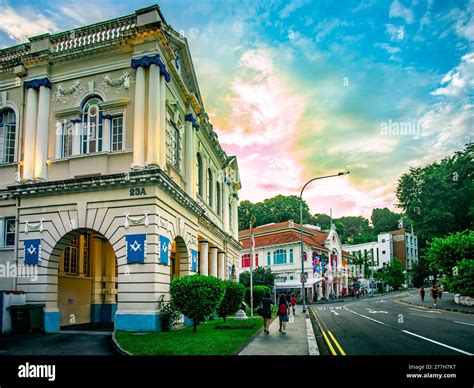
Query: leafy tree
[
  {"x": 364, "y": 237},
  {"x": 443, "y": 254},
  {"x": 392, "y": 274},
  {"x": 463, "y": 282},
  {"x": 276, "y": 209},
  {"x": 261, "y": 276},
  {"x": 384, "y": 220},
  {"x": 233, "y": 298},
  {"x": 258, "y": 294},
  {"x": 350, "y": 227},
  {"x": 246, "y": 214},
  {"x": 439, "y": 198},
  {"x": 323, "y": 220},
  {"x": 421, "y": 271},
  {"x": 197, "y": 296}
]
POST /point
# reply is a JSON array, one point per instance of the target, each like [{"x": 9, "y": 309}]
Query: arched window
[
  {"x": 291, "y": 256},
  {"x": 200, "y": 175},
  {"x": 91, "y": 137},
  {"x": 7, "y": 135},
  {"x": 279, "y": 256},
  {"x": 210, "y": 199},
  {"x": 218, "y": 198}
]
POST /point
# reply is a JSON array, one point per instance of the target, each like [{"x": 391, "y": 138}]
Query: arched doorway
[
  {"x": 87, "y": 280},
  {"x": 179, "y": 259}
]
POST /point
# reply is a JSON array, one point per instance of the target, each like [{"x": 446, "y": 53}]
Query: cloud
[
  {"x": 21, "y": 25},
  {"x": 459, "y": 80},
  {"x": 395, "y": 32},
  {"x": 389, "y": 49},
  {"x": 397, "y": 9},
  {"x": 291, "y": 7},
  {"x": 324, "y": 28}
]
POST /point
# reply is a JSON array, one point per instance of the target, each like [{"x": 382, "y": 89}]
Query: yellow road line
[
  {"x": 337, "y": 344},
  {"x": 329, "y": 344},
  {"x": 320, "y": 324}
]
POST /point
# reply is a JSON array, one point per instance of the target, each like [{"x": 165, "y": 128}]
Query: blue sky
[{"x": 300, "y": 88}]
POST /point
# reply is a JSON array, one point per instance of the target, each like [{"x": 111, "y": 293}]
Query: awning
[{"x": 297, "y": 284}]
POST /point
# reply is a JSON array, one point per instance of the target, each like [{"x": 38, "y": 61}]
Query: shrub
[
  {"x": 233, "y": 297},
  {"x": 258, "y": 294},
  {"x": 197, "y": 296},
  {"x": 463, "y": 282}
]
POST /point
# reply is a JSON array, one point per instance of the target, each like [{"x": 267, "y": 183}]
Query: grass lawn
[{"x": 209, "y": 339}]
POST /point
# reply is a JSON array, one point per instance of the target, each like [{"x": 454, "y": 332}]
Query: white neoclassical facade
[{"x": 112, "y": 179}]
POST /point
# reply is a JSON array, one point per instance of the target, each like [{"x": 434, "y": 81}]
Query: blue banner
[
  {"x": 32, "y": 251},
  {"x": 165, "y": 249},
  {"x": 194, "y": 260},
  {"x": 136, "y": 248}
]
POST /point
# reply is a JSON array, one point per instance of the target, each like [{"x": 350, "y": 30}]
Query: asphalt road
[{"x": 383, "y": 326}]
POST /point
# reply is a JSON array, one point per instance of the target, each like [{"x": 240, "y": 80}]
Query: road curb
[
  {"x": 312, "y": 344},
  {"x": 118, "y": 348},
  {"x": 399, "y": 301}
]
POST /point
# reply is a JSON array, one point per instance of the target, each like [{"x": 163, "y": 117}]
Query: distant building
[
  {"x": 400, "y": 243},
  {"x": 277, "y": 246}
]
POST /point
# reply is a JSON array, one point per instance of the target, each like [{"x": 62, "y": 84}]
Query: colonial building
[
  {"x": 112, "y": 179},
  {"x": 278, "y": 246}
]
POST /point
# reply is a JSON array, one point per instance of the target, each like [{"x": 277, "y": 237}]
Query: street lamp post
[{"x": 301, "y": 232}]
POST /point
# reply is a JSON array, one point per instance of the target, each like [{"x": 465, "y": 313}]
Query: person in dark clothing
[
  {"x": 283, "y": 309},
  {"x": 435, "y": 293},
  {"x": 422, "y": 294},
  {"x": 267, "y": 312}
]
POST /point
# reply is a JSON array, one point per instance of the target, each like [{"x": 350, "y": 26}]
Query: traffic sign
[{"x": 303, "y": 278}]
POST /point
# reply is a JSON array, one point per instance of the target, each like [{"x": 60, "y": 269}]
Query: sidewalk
[
  {"x": 294, "y": 342},
  {"x": 445, "y": 303}
]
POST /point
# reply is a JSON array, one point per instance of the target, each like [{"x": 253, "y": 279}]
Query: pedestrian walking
[
  {"x": 440, "y": 291},
  {"x": 266, "y": 312},
  {"x": 294, "y": 302},
  {"x": 282, "y": 313},
  {"x": 422, "y": 293},
  {"x": 435, "y": 293}
]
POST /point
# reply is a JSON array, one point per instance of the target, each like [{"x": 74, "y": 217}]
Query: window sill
[
  {"x": 80, "y": 156},
  {"x": 8, "y": 248},
  {"x": 8, "y": 164}
]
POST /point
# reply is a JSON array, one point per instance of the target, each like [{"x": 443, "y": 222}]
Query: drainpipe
[{"x": 17, "y": 238}]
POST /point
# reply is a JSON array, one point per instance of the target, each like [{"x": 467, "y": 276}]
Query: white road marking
[
  {"x": 376, "y": 312},
  {"x": 421, "y": 315},
  {"x": 334, "y": 312},
  {"x": 464, "y": 323},
  {"x": 424, "y": 311},
  {"x": 380, "y": 301},
  {"x": 363, "y": 316},
  {"x": 438, "y": 343}
]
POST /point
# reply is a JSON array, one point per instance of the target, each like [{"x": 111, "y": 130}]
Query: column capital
[
  {"x": 37, "y": 83},
  {"x": 192, "y": 119},
  {"x": 213, "y": 247},
  {"x": 203, "y": 241},
  {"x": 146, "y": 61}
]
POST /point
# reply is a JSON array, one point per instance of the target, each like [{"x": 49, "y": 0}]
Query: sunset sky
[{"x": 298, "y": 89}]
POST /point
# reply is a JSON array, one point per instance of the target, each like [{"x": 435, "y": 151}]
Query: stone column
[
  {"x": 162, "y": 124},
  {"x": 204, "y": 258},
  {"x": 213, "y": 262},
  {"x": 235, "y": 218},
  {"x": 221, "y": 265},
  {"x": 225, "y": 207},
  {"x": 96, "y": 274},
  {"x": 139, "y": 119},
  {"x": 30, "y": 133},
  {"x": 189, "y": 155},
  {"x": 154, "y": 100},
  {"x": 41, "y": 150}
]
